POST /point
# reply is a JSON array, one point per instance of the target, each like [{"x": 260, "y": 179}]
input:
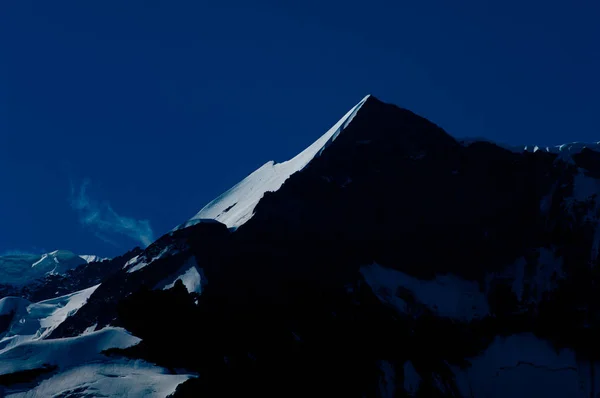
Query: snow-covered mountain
[
  {"x": 21, "y": 269},
  {"x": 387, "y": 259},
  {"x": 236, "y": 206}
]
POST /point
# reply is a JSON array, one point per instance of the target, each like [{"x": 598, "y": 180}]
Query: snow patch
[
  {"x": 521, "y": 366},
  {"x": 387, "y": 384},
  {"x": 584, "y": 187},
  {"x": 412, "y": 380},
  {"x": 131, "y": 261},
  {"x": 90, "y": 329},
  {"x": 84, "y": 370},
  {"x": 140, "y": 262},
  {"x": 189, "y": 273},
  {"x": 115, "y": 379},
  {"x": 548, "y": 267},
  {"x": 64, "y": 353},
  {"x": 191, "y": 280},
  {"x": 586, "y": 190},
  {"x": 530, "y": 285},
  {"x": 446, "y": 295},
  {"x": 138, "y": 266}
]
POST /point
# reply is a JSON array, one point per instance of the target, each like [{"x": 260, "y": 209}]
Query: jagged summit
[{"x": 378, "y": 122}]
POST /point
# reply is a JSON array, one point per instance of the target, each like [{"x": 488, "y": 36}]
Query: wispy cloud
[{"x": 100, "y": 217}]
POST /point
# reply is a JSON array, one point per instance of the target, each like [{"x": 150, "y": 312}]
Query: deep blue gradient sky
[{"x": 157, "y": 107}]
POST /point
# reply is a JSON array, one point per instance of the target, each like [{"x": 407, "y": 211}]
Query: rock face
[{"x": 396, "y": 261}]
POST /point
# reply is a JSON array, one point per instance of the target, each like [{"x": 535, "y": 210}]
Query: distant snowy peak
[
  {"x": 571, "y": 148},
  {"x": 90, "y": 258},
  {"x": 236, "y": 206},
  {"x": 21, "y": 269}
]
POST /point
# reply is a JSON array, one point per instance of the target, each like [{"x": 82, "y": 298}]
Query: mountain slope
[
  {"x": 388, "y": 259},
  {"x": 34, "y": 321},
  {"x": 234, "y": 207},
  {"x": 77, "y": 367}
]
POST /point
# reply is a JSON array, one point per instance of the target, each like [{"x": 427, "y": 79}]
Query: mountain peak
[{"x": 236, "y": 206}]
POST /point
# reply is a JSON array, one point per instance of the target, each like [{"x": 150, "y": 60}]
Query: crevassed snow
[
  {"x": 190, "y": 274},
  {"x": 84, "y": 371},
  {"x": 236, "y": 206},
  {"x": 66, "y": 352},
  {"x": 36, "y": 321},
  {"x": 446, "y": 295},
  {"x": 521, "y": 366},
  {"x": 114, "y": 379}
]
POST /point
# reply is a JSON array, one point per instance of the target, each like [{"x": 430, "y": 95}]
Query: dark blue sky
[{"x": 156, "y": 107}]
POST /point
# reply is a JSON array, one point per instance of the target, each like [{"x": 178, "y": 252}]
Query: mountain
[
  {"x": 387, "y": 259},
  {"x": 21, "y": 269},
  {"x": 236, "y": 206}
]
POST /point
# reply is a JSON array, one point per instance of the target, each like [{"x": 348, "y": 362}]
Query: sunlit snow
[
  {"x": 236, "y": 206},
  {"x": 112, "y": 379},
  {"x": 82, "y": 368},
  {"x": 190, "y": 274},
  {"x": 84, "y": 371},
  {"x": 35, "y": 321}
]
